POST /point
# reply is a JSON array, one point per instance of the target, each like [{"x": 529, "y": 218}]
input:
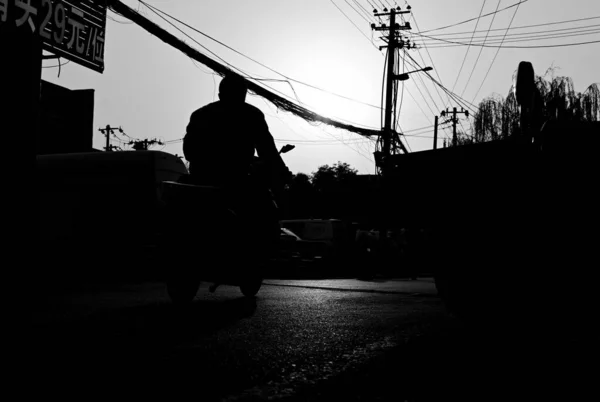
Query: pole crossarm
[
  {"x": 398, "y": 27},
  {"x": 454, "y": 120},
  {"x": 390, "y": 13}
]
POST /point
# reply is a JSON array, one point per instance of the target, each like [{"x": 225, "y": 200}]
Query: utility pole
[
  {"x": 108, "y": 131},
  {"x": 393, "y": 42},
  {"x": 435, "y": 131},
  {"x": 142, "y": 145},
  {"x": 392, "y": 45},
  {"x": 454, "y": 121},
  {"x": 387, "y": 133}
]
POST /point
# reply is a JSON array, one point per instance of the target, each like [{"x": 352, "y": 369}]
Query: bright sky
[{"x": 150, "y": 89}]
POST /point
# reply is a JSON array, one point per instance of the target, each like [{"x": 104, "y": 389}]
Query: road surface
[{"x": 297, "y": 340}]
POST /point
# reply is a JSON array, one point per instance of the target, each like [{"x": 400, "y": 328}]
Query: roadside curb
[
  {"x": 411, "y": 288},
  {"x": 389, "y": 292}
]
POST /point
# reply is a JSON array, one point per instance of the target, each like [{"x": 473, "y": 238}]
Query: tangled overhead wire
[{"x": 222, "y": 70}]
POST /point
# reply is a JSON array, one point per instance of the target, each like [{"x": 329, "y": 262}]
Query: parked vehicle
[
  {"x": 288, "y": 235},
  {"x": 492, "y": 219},
  {"x": 288, "y": 246},
  {"x": 328, "y": 239},
  {"x": 115, "y": 216},
  {"x": 98, "y": 215}
]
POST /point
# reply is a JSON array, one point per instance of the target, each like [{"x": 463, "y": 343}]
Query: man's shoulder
[
  {"x": 253, "y": 110},
  {"x": 206, "y": 108},
  {"x": 218, "y": 107}
]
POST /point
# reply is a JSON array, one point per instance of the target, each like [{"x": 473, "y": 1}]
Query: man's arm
[
  {"x": 190, "y": 140},
  {"x": 267, "y": 151},
  {"x": 266, "y": 148}
]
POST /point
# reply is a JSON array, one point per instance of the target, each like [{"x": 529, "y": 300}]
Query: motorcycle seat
[
  {"x": 191, "y": 188},
  {"x": 190, "y": 193}
]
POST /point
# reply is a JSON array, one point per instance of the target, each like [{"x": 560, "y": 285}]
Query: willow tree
[
  {"x": 498, "y": 117},
  {"x": 590, "y": 106}
]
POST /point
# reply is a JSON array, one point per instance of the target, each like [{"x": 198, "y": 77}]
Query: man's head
[{"x": 233, "y": 88}]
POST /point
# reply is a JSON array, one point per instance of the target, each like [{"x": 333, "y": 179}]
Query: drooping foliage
[
  {"x": 498, "y": 117},
  {"x": 590, "y": 103}
]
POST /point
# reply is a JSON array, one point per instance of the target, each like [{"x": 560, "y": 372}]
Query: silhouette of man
[
  {"x": 222, "y": 137},
  {"x": 220, "y": 143}
]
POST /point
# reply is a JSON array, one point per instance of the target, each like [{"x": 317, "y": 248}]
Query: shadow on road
[{"x": 131, "y": 341}]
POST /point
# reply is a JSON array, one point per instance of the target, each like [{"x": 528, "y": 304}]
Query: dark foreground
[{"x": 292, "y": 342}]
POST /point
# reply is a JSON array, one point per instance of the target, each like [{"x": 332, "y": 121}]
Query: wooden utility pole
[
  {"x": 388, "y": 131},
  {"x": 454, "y": 127},
  {"x": 108, "y": 131},
  {"x": 142, "y": 145},
  {"x": 392, "y": 45},
  {"x": 435, "y": 131},
  {"x": 454, "y": 121}
]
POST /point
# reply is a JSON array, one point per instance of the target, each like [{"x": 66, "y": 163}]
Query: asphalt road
[{"x": 297, "y": 340}]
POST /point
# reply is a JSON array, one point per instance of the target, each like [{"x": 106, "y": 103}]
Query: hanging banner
[{"x": 73, "y": 29}]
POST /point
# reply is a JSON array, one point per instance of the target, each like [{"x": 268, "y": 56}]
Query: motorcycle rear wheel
[
  {"x": 250, "y": 287},
  {"x": 182, "y": 291}
]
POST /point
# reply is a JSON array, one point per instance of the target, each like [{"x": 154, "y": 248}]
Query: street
[{"x": 304, "y": 340}]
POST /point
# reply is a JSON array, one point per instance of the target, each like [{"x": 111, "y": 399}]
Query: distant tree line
[{"x": 333, "y": 191}]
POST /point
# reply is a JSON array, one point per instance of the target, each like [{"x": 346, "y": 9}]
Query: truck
[
  {"x": 511, "y": 224},
  {"x": 99, "y": 214}
]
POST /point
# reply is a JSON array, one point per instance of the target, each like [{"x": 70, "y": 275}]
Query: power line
[
  {"x": 358, "y": 12},
  {"x": 480, "y": 51},
  {"x": 496, "y": 55},
  {"x": 282, "y": 103},
  {"x": 58, "y": 65},
  {"x": 243, "y": 72},
  {"x": 455, "y": 97},
  {"x": 434, "y": 39},
  {"x": 255, "y": 61},
  {"x": 529, "y": 36},
  {"x": 156, "y": 11},
  {"x": 473, "y": 19},
  {"x": 371, "y": 18},
  {"x": 520, "y": 47},
  {"x": 533, "y": 38},
  {"x": 417, "y": 66},
  {"x": 469, "y": 47},
  {"x": 371, "y": 4},
  {"x": 417, "y": 103},
  {"x": 119, "y": 22},
  {"x": 152, "y": 8},
  {"x": 519, "y": 27},
  {"x": 352, "y": 22},
  {"x": 432, "y": 62},
  {"x": 325, "y": 142},
  {"x": 340, "y": 142},
  {"x": 402, "y": 94}
]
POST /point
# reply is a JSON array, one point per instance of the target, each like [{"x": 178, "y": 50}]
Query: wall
[{"x": 66, "y": 120}]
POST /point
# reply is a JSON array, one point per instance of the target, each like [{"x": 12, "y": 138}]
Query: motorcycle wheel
[
  {"x": 182, "y": 292},
  {"x": 250, "y": 287}
]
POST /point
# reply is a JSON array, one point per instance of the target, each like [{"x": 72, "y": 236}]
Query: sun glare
[{"x": 340, "y": 82}]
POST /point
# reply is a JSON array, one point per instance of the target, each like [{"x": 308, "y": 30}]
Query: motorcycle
[{"x": 206, "y": 237}]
